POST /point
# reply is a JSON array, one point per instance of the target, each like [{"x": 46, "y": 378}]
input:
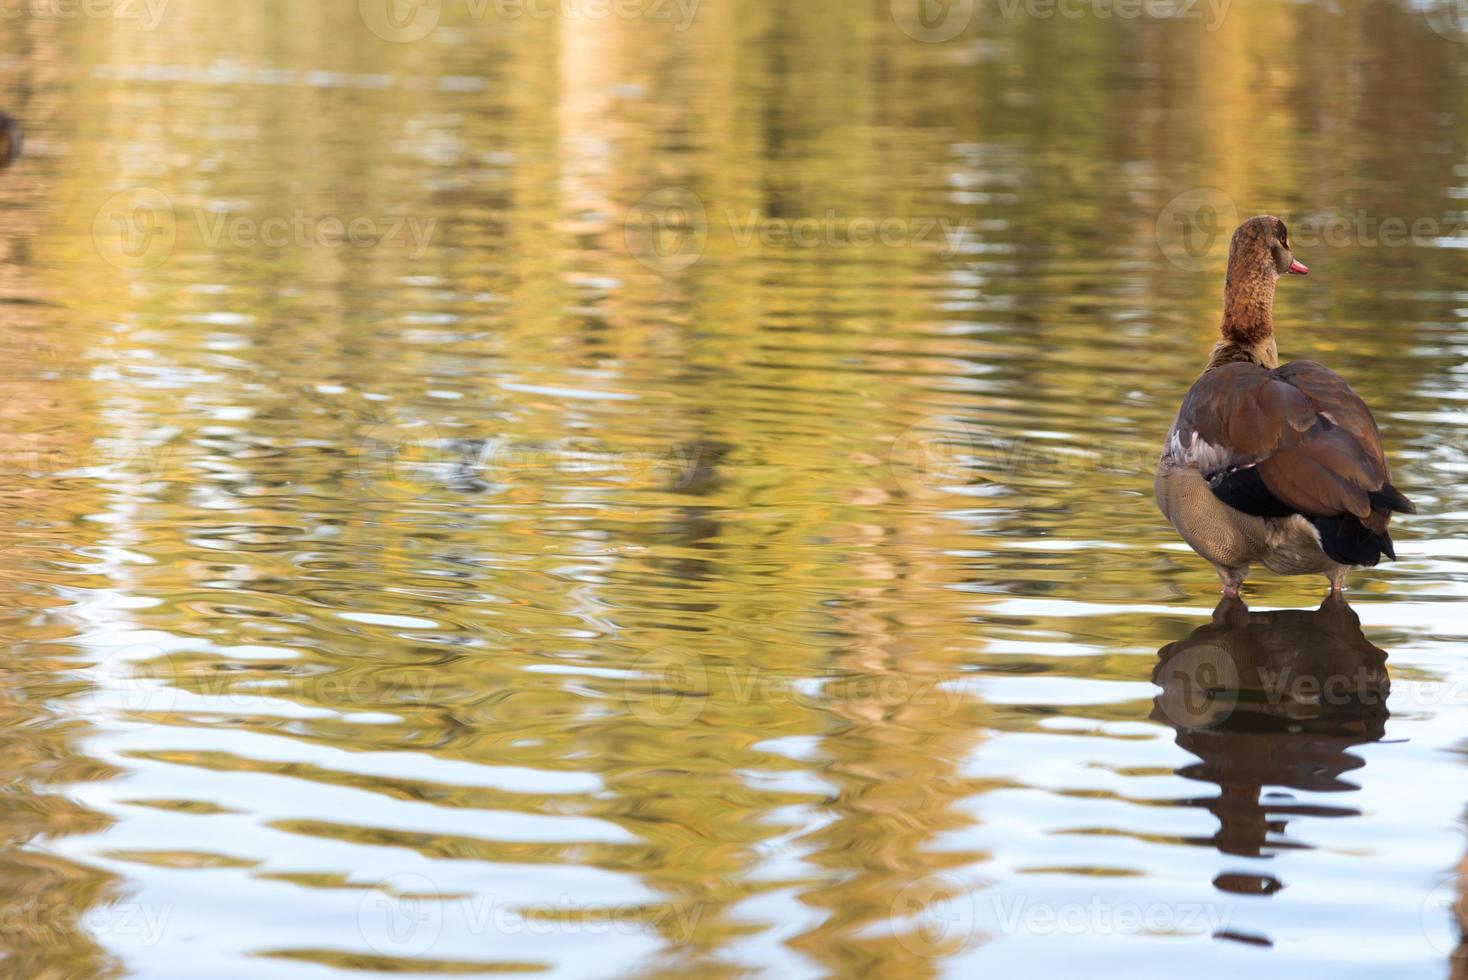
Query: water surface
[{"x": 598, "y": 496}]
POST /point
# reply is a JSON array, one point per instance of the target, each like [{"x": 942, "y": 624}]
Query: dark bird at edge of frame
[{"x": 10, "y": 140}]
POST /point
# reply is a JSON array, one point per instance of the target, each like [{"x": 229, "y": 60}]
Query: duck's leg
[{"x": 1232, "y": 579}]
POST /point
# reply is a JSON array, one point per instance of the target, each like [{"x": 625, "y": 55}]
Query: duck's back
[{"x": 1293, "y": 440}]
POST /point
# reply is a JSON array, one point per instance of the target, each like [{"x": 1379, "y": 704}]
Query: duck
[{"x": 1274, "y": 464}]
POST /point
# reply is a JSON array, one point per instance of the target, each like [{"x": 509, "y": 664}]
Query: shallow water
[{"x": 606, "y": 495}]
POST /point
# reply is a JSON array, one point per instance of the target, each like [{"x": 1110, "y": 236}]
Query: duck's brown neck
[
  {"x": 1248, "y": 321},
  {"x": 1265, "y": 355}
]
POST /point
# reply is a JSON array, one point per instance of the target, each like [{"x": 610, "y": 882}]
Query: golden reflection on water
[{"x": 701, "y": 525}]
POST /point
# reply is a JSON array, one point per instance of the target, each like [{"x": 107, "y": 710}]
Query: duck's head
[
  {"x": 1257, "y": 256},
  {"x": 1261, "y": 247}
]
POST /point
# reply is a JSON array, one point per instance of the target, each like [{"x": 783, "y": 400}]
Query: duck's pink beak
[{"x": 1298, "y": 268}]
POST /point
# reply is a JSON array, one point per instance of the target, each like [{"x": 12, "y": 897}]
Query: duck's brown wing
[{"x": 1295, "y": 440}]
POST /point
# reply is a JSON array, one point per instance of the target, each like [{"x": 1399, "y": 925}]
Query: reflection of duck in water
[
  {"x": 1458, "y": 956},
  {"x": 1271, "y": 699}
]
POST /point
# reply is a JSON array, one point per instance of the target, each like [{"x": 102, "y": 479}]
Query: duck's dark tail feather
[
  {"x": 1390, "y": 498},
  {"x": 1352, "y": 541},
  {"x": 1348, "y": 541}
]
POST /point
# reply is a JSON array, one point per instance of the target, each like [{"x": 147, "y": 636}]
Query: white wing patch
[{"x": 1190, "y": 449}]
